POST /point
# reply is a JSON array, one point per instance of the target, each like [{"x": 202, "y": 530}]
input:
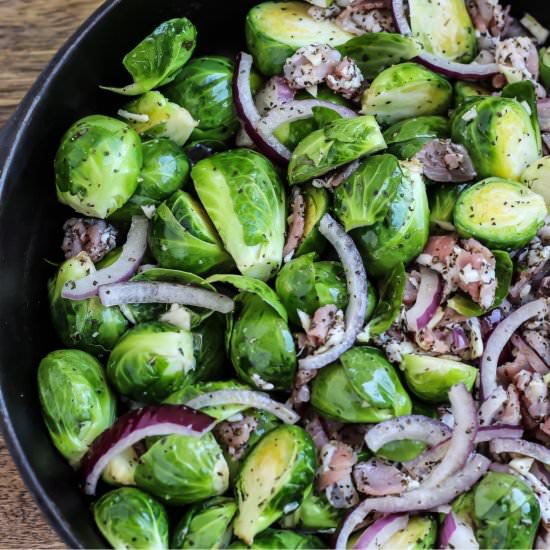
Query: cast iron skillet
[{"x": 31, "y": 219}]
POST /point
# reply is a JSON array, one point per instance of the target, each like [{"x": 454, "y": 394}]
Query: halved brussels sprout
[
  {"x": 130, "y": 518},
  {"x": 121, "y": 469},
  {"x": 403, "y": 233},
  {"x": 95, "y": 150},
  {"x": 431, "y": 378},
  {"x": 363, "y": 198},
  {"x": 404, "y": 91},
  {"x": 545, "y": 66},
  {"x": 317, "y": 202},
  {"x": 442, "y": 200},
  {"x": 260, "y": 345},
  {"x": 402, "y": 450},
  {"x": 408, "y": 137},
  {"x": 182, "y": 237},
  {"x": 375, "y": 51},
  {"x": 273, "y": 480},
  {"x": 157, "y": 59},
  {"x": 466, "y": 91},
  {"x": 500, "y": 213},
  {"x": 537, "y": 178},
  {"x": 420, "y": 534},
  {"x": 203, "y": 87},
  {"x": 498, "y": 134},
  {"x": 84, "y": 324},
  {"x": 245, "y": 199},
  {"x": 306, "y": 285},
  {"x": 504, "y": 510},
  {"x": 206, "y": 525},
  {"x": 334, "y": 145},
  {"x": 183, "y": 469},
  {"x": 314, "y": 514},
  {"x": 77, "y": 404},
  {"x": 165, "y": 170},
  {"x": 275, "y": 30},
  {"x": 151, "y": 361},
  {"x": 444, "y": 29},
  {"x": 282, "y": 540},
  {"x": 362, "y": 388},
  {"x": 154, "y": 116}
]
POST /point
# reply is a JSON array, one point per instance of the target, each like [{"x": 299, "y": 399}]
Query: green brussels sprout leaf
[{"x": 536, "y": 177}]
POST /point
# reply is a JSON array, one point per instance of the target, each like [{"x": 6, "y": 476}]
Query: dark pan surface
[{"x": 30, "y": 220}]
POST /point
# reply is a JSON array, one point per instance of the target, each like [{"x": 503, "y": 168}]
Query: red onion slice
[
  {"x": 463, "y": 438},
  {"x": 121, "y": 270},
  {"x": 499, "y": 338},
  {"x": 462, "y": 71},
  {"x": 455, "y": 533},
  {"x": 381, "y": 531},
  {"x": 133, "y": 427},
  {"x": 413, "y": 427},
  {"x": 298, "y": 110},
  {"x": 257, "y": 400},
  {"x": 267, "y": 144},
  {"x": 502, "y": 431},
  {"x": 428, "y": 299},
  {"x": 543, "y": 110},
  {"x": 417, "y": 500},
  {"x": 356, "y": 281},
  {"x": 522, "y": 447},
  {"x": 163, "y": 293}
]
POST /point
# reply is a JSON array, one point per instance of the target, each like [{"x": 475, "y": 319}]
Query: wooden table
[{"x": 31, "y": 31}]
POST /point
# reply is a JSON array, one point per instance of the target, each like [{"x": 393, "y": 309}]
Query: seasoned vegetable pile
[{"x": 305, "y": 301}]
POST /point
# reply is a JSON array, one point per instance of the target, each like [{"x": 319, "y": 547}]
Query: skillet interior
[{"x": 30, "y": 220}]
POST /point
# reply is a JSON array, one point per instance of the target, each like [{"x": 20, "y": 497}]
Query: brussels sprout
[
  {"x": 151, "y": 361},
  {"x": 316, "y": 201},
  {"x": 387, "y": 309},
  {"x": 431, "y": 378},
  {"x": 182, "y": 237},
  {"x": 209, "y": 348},
  {"x": 260, "y": 345},
  {"x": 375, "y": 51},
  {"x": 77, "y": 404},
  {"x": 314, "y": 514},
  {"x": 498, "y": 134},
  {"x": 403, "y": 233},
  {"x": 442, "y": 200},
  {"x": 183, "y": 469},
  {"x": 334, "y": 145},
  {"x": 130, "y": 518},
  {"x": 405, "y": 91},
  {"x": 157, "y": 59},
  {"x": 283, "y": 540},
  {"x": 274, "y": 478},
  {"x": 466, "y": 91},
  {"x": 203, "y": 148},
  {"x": 362, "y": 388},
  {"x": 165, "y": 170},
  {"x": 545, "y": 66},
  {"x": 154, "y": 116},
  {"x": 362, "y": 199},
  {"x": 121, "y": 469},
  {"x": 536, "y": 177},
  {"x": 206, "y": 525},
  {"x": 203, "y": 87},
  {"x": 504, "y": 510},
  {"x": 504, "y": 270},
  {"x": 444, "y": 29},
  {"x": 291, "y": 133},
  {"x": 306, "y": 285},
  {"x": 408, "y": 137},
  {"x": 178, "y": 315},
  {"x": 401, "y": 451},
  {"x": 84, "y": 324},
  {"x": 244, "y": 196},
  {"x": 499, "y": 213},
  {"x": 275, "y": 30},
  {"x": 95, "y": 150},
  {"x": 420, "y": 534}
]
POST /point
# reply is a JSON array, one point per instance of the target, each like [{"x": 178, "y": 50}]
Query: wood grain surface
[{"x": 31, "y": 31}]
